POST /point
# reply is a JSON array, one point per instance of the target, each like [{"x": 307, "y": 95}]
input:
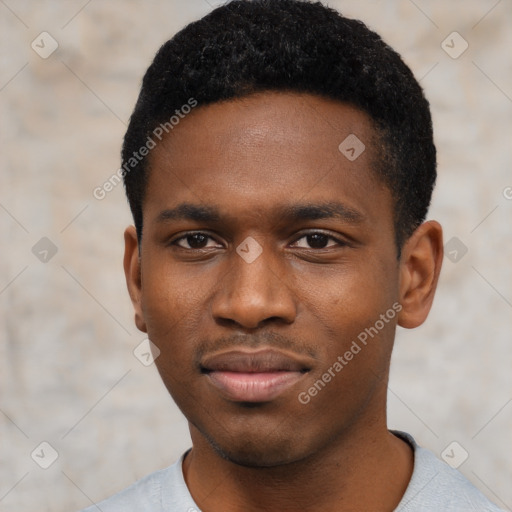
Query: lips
[{"x": 261, "y": 376}]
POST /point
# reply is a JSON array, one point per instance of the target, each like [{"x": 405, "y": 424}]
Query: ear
[
  {"x": 420, "y": 265},
  {"x": 132, "y": 272}
]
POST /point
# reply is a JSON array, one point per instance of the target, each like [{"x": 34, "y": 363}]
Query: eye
[
  {"x": 195, "y": 240},
  {"x": 315, "y": 240},
  {"x": 318, "y": 240}
]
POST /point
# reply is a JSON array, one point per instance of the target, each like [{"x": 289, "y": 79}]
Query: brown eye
[
  {"x": 317, "y": 240},
  {"x": 193, "y": 240}
]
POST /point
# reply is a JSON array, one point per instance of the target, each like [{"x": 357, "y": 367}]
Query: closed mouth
[{"x": 259, "y": 376}]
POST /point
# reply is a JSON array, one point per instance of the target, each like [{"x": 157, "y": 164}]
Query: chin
[
  {"x": 256, "y": 452},
  {"x": 255, "y": 458}
]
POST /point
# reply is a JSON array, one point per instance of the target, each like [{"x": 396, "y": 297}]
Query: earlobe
[
  {"x": 132, "y": 272},
  {"x": 420, "y": 265}
]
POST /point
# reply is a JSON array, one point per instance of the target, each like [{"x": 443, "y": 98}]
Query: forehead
[{"x": 246, "y": 155}]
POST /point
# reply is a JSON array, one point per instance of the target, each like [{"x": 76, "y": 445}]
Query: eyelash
[{"x": 340, "y": 243}]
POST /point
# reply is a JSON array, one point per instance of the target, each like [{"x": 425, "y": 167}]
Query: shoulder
[
  {"x": 435, "y": 485},
  {"x": 162, "y": 490}
]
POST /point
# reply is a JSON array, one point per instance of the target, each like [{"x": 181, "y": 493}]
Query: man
[{"x": 279, "y": 165}]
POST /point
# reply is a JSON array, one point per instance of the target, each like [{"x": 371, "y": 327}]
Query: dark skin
[{"x": 317, "y": 284}]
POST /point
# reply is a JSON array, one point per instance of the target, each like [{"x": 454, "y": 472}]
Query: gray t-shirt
[{"x": 434, "y": 487}]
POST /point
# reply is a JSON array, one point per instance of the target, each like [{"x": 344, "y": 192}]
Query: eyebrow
[
  {"x": 327, "y": 210},
  {"x": 288, "y": 212}
]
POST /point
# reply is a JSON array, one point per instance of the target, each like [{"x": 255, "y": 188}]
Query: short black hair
[{"x": 249, "y": 46}]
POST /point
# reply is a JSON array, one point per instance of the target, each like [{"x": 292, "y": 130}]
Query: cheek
[
  {"x": 172, "y": 312},
  {"x": 173, "y": 305},
  {"x": 354, "y": 340},
  {"x": 348, "y": 298}
]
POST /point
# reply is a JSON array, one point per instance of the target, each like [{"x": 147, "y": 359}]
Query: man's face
[{"x": 254, "y": 291}]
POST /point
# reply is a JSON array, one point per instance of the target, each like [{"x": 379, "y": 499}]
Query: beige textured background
[{"x": 67, "y": 372}]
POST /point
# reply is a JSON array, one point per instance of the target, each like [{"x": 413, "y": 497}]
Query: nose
[{"x": 253, "y": 293}]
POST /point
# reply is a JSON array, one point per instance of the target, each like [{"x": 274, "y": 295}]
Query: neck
[{"x": 367, "y": 469}]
